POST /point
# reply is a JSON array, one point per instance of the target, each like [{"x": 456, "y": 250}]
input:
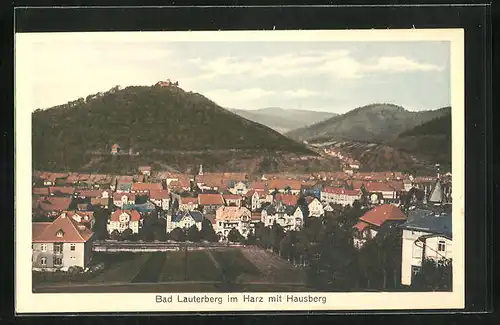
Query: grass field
[
  {"x": 122, "y": 268},
  {"x": 219, "y": 270},
  {"x": 234, "y": 266}
]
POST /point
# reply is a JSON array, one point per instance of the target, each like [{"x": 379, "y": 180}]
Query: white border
[{"x": 27, "y": 302}]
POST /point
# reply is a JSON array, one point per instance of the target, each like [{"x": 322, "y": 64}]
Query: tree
[
  {"x": 434, "y": 275},
  {"x": 277, "y": 233},
  {"x": 115, "y": 235},
  {"x": 126, "y": 234},
  {"x": 193, "y": 234},
  {"x": 177, "y": 234},
  {"x": 235, "y": 236},
  {"x": 207, "y": 231},
  {"x": 288, "y": 189}
]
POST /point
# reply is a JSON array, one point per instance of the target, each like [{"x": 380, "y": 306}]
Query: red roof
[
  {"x": 118, "y": 196},
  {"x": 382, "y": 213},
  {"x": 340, "y": 191},
  {"x": 232, "y": 197},
  {"x": 397, "y": 185},
  {"x": 62, "y": 189},
  {"x": 188, "y": 199},
  {"x": 90, "y": 193},
  {"x": 360, "y": 226},
  {"x": 258, "y": 186},
  {"x": 80, "y": 214},
  {"x": 41, "y": 191},
  {"x": 158, "y": 194},
  {"x": 71, "y": 232},
  {"x": 134, "y": 215},
  {"x": 284, "y": 183},
  {"x": 146, "y": 186},
  {"x": 54, "y": 203},
  {"x": 210, "y": 199},
  {"x": 378, "y": 187},
  {"x": 287, "y": 199}
]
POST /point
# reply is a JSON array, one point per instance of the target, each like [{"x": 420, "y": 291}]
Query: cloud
[
  {"x": 300, "y": 93},
  {"x": 236, "y": 98},
  {"x": 339, "y": 64}
]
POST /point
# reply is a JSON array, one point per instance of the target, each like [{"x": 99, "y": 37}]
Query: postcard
[{"x": 239, "y": 171}]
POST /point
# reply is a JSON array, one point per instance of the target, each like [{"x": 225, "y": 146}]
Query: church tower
[{"x": 201, "y": 170}]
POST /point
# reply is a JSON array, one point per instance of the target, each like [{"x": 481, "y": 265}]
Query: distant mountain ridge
[
  {"x": 283, "y": 120},
  {"x": 371, "y": 123}
]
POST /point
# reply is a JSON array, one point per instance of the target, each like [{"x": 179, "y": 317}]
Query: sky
[{"x": 331, "y": 76}]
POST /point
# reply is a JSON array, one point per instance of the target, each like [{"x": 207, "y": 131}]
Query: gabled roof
[
  {"x": 146, "y": 186},
  {"x": 188, "y": 199},
  {"x": 231, "y": 197},
  {"x": 44, "y": 191},
  {"x": 360, "y": 226},
  {"x": 231, "y": 213},
  {"x": 340, "y": 191},
  {"x": 382, "y": 213},
  {"x": 284, "y": 183},
  {"x": 134, "y": 215},
  {"x": 210, "y": 199},
  {"x": 196, "y": 215},
  {"x": 273, "y": 209},
  {"x": 71, "y": 232},
  {"x": 118, "y": 196},
  {"x": 54, "y": 203},
  {"x": 89, "y": 193},
  {"x": 61, "y": 189},
  {"x": 143, "y": 208},
  {"x": 159, "y": 194},
  {"x": 287, "y": 199},
  {"x": 427, "y": 220}
]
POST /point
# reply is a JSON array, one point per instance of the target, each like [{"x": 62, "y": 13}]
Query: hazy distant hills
[
  {"x": 283, "y": 120},
  {"x": 372, "y": 123},
  {"x": 162, "y": 123}
]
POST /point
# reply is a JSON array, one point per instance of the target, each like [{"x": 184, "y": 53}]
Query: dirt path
[{"x": 217, "y": 266}]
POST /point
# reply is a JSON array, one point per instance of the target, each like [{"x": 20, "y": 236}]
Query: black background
[{"x": 478, "y": 115}]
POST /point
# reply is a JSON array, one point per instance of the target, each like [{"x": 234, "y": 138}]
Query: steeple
[
  {"x": 425, "y": 195},
  {"x": 437, "y": 193},
  {"x": 201, "y": 170}
]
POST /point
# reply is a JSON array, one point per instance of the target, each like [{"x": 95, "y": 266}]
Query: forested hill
[
  {"x": 431, "y": 139},
  {"x": 146, "y": 119},
  {"x": 373, "y": 123}
]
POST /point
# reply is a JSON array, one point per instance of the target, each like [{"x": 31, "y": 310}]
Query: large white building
[
  {"x": 426, "y": 234},
  {"x": 339, "y": 195},
  {"x": 229, "y": 217},
  {"x": 121, "y": 220}
]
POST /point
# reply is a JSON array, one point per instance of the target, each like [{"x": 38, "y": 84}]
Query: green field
[
  {"x": 219, "y": 270},
  {"x": 199, "y": 267},
  {"x": 121, "y": 268}
]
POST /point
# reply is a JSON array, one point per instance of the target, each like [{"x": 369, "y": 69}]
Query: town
[{"x": 77, "y": 215}]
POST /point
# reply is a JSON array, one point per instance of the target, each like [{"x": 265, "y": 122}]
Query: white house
[
  {"x": 287, "y": 216},
  {"x": 426, "y": 234},
  {"x": 184, "y": 220},
  {"x": 372, "y": 221},
  {"x": 122, "y": 220},
  {"x": 161, "y": 198},
  {"x": 339, "y": 195},
  {"x": 60, "y": 244},
  {"x": 239, "y": 188},
  {"x": 229, "y": 217},
  {"x": 120, "y": 199},
  {"x": 315, "y": 207}
]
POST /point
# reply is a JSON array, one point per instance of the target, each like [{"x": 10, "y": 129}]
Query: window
[
  {"x": 43, "y": 261},
  {"x": 72, "y": 247},
  {"x": 43, "y": 247},
  {"x": 441, "y": 246},
  {"x": 58, "y": 261},
  {"x": 415, "y": 270},
  {"x": 417, "y": 250},
  {"x": 58, "y": 248},
  {"x": 60, "y": 233}
]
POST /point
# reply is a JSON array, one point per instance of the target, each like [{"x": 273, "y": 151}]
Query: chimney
[{"x": 63, "y": 215}]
